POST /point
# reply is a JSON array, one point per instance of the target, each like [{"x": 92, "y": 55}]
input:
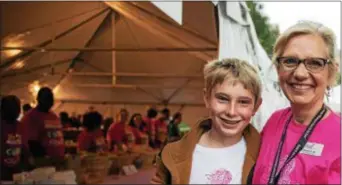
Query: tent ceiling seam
[
  {"x": 192, "y": 32},
  {"x": 175, "y": 92},
  {"x": 166, "y": 35},
  {"x": 34, "y": 69},
  {"x": 149, "y": 93},
  {"x": 90, "y": 40},
  {"x": 87, "y": 44},
  {"x": 24, "y": 54},
  {"x": 92, "y": 66},
  {"x": 133, "y": 35},
  {"x": 49, "y": 24}
]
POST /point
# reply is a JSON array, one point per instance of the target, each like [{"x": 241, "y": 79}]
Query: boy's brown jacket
[{"x": 174, "y": 163}]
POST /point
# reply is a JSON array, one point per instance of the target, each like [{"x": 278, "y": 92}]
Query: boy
[{"x": 222, "y": 148}]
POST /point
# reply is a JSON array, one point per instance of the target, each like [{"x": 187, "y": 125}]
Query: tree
[
  {"x": 338, "y": 75},
  {"x": 267, "y": 33},
  {"x": 338, "y": 78}
]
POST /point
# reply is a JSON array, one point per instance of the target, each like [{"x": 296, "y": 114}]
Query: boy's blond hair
[{"x": 234, "y": 69}]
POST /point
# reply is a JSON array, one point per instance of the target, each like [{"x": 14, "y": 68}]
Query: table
[
  {"x": 7, "y": 182},
  {"x": 143, "y": 176}
]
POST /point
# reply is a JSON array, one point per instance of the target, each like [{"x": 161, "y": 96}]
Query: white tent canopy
[
  {"x": 238, "y": 39},
  {"x": 108, "y": 54},
  {"x": 125, "y": 54},
  {"x": 334, "y": 99}
]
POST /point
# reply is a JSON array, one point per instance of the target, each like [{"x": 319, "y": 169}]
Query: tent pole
[
  {"x": 78, "y": 101},
  {"x": 113, "y": 46},
  {"x": 133, "y": 86},
  {"x": 97, "y": 49},
  {"x": 127, "y": 74},
  {"x": 159, "y": 29},
  {"x": 102, "y": 74},
  {"x": 53, "y": 38}
]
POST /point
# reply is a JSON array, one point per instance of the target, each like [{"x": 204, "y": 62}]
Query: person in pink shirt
[
  {"x": 65, "y": 120},
  {"x": 91, "y": 139},
  {"x": 117, "y": 131},
  {"x": 301, "y": 144},
  {"x": 43, "y": 129},
  {"x": 161, "y": 127},
  {"x": 14, "y": 155},
  {"x": 150, "y": 121},
  {"x": 137, "y": 126}
]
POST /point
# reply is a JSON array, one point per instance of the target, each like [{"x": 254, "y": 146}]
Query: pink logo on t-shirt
[
  {"x": 286, "y": 173},
  {"x": 53, "y": 132},
  {"x": 100, "y": 143},
  {"x": 220, "y": 176},
  {"x": 13, "y": 149}
]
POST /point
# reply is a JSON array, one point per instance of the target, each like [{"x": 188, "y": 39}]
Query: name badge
[{"x": 314, "y": 149}]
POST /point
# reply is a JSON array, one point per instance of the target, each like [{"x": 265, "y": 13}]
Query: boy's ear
[
  {"x": 257, "y": 105},
  {"x": 206, "y": 97}
]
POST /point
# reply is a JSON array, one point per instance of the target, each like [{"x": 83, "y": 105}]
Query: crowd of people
[{"x": 40, "y": 132}]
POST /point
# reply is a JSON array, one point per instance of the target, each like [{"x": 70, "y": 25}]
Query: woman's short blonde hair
[
  {"x": 309, "y": 27},
  {"x": 216, "y": 72}
]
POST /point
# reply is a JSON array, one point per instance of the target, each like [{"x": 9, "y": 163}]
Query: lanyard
[{"x": 274, "y": 178}]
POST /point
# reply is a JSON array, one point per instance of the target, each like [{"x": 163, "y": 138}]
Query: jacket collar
[
  {"x": 188, "y": 143},
  {"x": 179, "y": 154}
]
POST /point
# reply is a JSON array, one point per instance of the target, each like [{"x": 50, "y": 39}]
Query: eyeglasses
[{"x": 311, "y": 64}]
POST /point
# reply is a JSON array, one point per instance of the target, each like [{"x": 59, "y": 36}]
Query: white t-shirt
[{"x": 218, "y": 165}]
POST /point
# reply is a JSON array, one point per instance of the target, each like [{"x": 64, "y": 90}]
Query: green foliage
[
  {"x": 267, "y": 33},
  {"x": 338, "y": 75},
  {"x": 338, "y": 78}
]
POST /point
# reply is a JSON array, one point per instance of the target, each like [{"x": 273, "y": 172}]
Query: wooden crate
[
  {"x": 148, "y": 158},
  {"x": 121, "y": 159},
  {"x": 94, "y": 168},
  {"x": 162, "y": 136},
  {"x": 59, "y": 164}
]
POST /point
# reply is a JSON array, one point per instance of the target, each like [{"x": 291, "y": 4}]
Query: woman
[
  {"x": 117, "y": 132},
  {"x": 222, "y": 148},
  {"x": 138, "y": 127},
  {"x": 303, "y": 140}
]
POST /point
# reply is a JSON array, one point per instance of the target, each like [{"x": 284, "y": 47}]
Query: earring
[
  {"x": 277, "y": 84},
  {"x": 328, "y": 91}
]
